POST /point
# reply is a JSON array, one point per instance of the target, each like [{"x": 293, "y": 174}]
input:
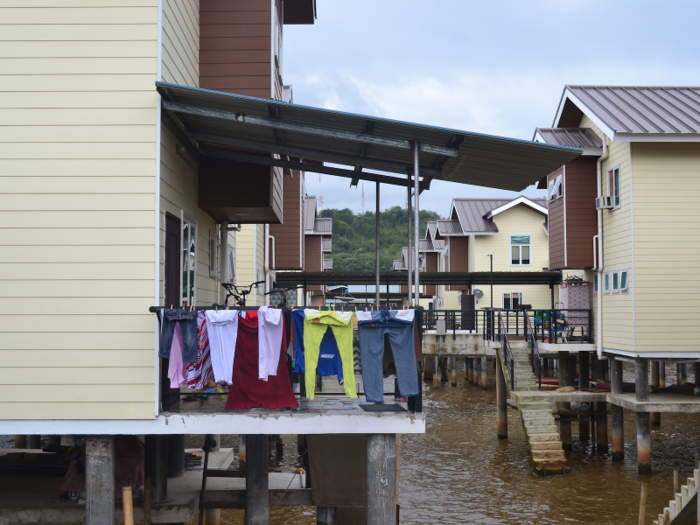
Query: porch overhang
[{"x": 271, "y": 133}]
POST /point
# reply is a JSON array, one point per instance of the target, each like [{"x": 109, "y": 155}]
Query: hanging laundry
[
  {"x": 329, "y": 362},
  {"x": 222, "y": 326},
  {"x": 200, "y": 373},
  {"x": 188, "y": 327},
  {"x": 398, "y": 326},
  {"x": 270, "y": 328},
  {"x": 177, "y": 370},
  {"x": 316, "y": 325},
  {"x": 247, "y": 390}
]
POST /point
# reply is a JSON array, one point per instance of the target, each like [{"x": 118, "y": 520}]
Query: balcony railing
[
  {"x": 327, "y": 245},
  {"x": 327, "y": 264}
]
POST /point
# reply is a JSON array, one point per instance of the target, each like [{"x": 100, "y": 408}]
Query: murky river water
[{"x": 458, "y": 472}]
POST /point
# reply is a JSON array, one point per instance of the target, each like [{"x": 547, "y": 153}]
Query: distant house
[
  {"x": 318, "y": 241},
  {"x": 625, "y": 212}
]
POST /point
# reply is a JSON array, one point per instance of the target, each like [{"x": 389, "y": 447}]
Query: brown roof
[
  {"x": 572, "y": 137},
  {"x": 447, "y": 227},
  {"x": 640, "y": 109},
  {"x": 472, "y": 213},
  {"x": 432, "y": 227},
  {"x": 439, "y": 245}
]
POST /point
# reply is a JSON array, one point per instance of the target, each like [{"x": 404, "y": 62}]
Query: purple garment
[{"x": 177, "y": 371}]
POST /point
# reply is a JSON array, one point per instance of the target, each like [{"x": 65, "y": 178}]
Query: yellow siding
[
  {"x": 617, "y": 326},
  {"x": 181, "y": 42},
  {"x": 250, "y": 256},
  {"x": 666, "y": 180},
  {"x": 77, "y": 201},
  {"x": 472, "y": 254}
]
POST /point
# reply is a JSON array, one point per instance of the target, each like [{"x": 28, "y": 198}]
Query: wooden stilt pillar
[
  {"x": 156, "y": 465},
  {"x": 564, "y": 380},
  {"x": 617, "y": 413},
  {"x": 484, "y": 376},
  {"x": 257, "y": 494},
  {"x": 381, "y": 479},
  {"x": 501, "y": 400},
  {"x": 584, "y": 365},
  {"x": 601, "y": 427},
  {"x": 99, "y": 480},
  {"x": 325, "y": 515},
  {"x": 453, "y": 371},
  {"x": 681, "y": 373},
  {"x": 641, "y": 366}
]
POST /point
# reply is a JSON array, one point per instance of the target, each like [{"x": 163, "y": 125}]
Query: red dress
[{"x": 247, "y": 391}]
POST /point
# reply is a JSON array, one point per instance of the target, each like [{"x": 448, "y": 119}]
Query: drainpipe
[
  {"x": 223, "y": 260},
  {"x": 270, "y": 260},
  {"x": 599, "y": 262}
]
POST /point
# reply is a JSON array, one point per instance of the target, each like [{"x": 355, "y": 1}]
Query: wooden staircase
[
  {"x": 543, "y": 440},
  {"x": 683, "y": 508}
]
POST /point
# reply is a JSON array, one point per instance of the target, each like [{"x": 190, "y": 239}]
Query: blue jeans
[
  {"x": 371, "y": 334},
  {"x": 188, "y": 327}
]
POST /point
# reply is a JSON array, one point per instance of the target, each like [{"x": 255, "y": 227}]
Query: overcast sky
[{"x": 495, "y": 67}]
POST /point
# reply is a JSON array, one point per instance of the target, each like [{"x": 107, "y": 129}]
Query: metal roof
[
  {"x": 448, "y": 227},
  {"x": 472, "y": 213},
  {"x": 240, "y": 128},
  {"x": 639, "y": 109},
  {"x": 439, "y": 244},
  {"x": 431, "y": 229},
  {"x": 573, "y": 137},
  {"x": 288, "y": 279}
]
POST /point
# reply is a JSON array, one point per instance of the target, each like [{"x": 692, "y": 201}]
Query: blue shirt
[{"x": 329, "y": 363}]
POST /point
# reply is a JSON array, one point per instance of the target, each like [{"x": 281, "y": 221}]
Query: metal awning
[
  {"x": 290, "y": 279},
  {"x": 212, "y": 123}
]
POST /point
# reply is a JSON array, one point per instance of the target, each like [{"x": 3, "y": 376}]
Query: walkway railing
[
  {"x": 535, "y": 359},
  {"x": 470, "y": 321},
  {"x": 507, "y": 352}
]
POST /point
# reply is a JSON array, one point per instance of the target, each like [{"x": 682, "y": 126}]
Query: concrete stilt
[
  {"x": 176, "y": 455},
  {"x": 564, "y": 380},
  {"x": 466, "y": 369},
  {"x": 477, "y": 371},
  {"x": 681, "y": 373},
  {"x": 501, "y": 400},
  {"x": 655, "y": 417},
  {"x": 601, "y": 427},
  {"x": 484, "y": 376},
  {"x": 453, "y": 371},
  {"x": 99, "y": 480},
  {"x": 696, "y": 379},
  {"x": 662, "y": 374},
  {"x": 641, "y": 367},
  {"x": 617, "y": 414},
  {"x": 436, "y": 372},
  {"x": 470, "y": 369},
  {"x": 381, "y": 479},
  {"x": 212, "y": 516},
  {"x": 156, "y": 465},
  {"x": 325, "y": 515},
  {"x": 242, "y": 456},
  {"x": 34, "y": 442},
  {"x": 20, "y": 441},
  {"x": 595, "y": 368},
  {"x": 584, "y": 365},
  {"x": 257, "y": 494},
  {"x": 217, "y": 447}
]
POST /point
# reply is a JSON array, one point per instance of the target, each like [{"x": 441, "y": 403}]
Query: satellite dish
[{"x": 478, "y": 293}]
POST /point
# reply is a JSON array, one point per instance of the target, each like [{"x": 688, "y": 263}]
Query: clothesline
[{"x": 156, "y": 309}]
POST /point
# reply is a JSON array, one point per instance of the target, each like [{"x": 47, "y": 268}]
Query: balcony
[
  {"x": 327, "y": 264},
  {"x": 327, "y": 245}
]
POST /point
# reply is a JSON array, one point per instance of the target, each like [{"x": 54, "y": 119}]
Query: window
[
  {"x": 615, "y": 274},
  {"x": 614, "y": 186},
  {"x": 512, "y": 300},
  {"x": 189, "y": 259},
  {"x": 595, "y": 284},
  {"x": 213, "y": 255},
  {"x": 606, "y": 282},
  {"x": 624, "y": 280},
  {"x": 520, "y": 250}
]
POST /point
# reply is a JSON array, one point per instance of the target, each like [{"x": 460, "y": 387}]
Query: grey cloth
[
  {"x": 188, "y": 327},
  {"x": 371, "y": 328}
]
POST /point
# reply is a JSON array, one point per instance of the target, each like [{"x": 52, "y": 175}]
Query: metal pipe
[
  {"x": 223, "y": 261},
  {"x": 416, "y": 212},
  {"x": 376, "y": 246},
  {"x": 599, "y": 312},
  {"x": 408, "y": 252}
]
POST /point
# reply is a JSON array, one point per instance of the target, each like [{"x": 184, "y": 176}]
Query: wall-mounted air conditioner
[{"x": 604, "y": 202}]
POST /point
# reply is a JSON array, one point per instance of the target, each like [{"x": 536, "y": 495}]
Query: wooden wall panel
[
  {"x": 581, "y": 215},
  {"x": 314, "y": 262},
  {"x": 556, "y": 227},
  {"x": 459, "y": 258},
  {"x": 289, "y": 235},
  {"x": 431, "y": 265}
]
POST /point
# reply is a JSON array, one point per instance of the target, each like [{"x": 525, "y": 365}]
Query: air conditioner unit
[{"x": 604, "y": 202}]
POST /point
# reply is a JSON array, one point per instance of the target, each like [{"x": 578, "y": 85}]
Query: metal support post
[
  {"x": 223, "y": 261},
  {"x": 584, "y": 425},
  {"x": 641, "y": 366},
  {"x": 409, "y": 207},
  {"x": 257, "y": 494},
  {"x": 376, "y": 247},
  {"x": 501, "y": 399},
  {"x": 484, "y": 376},
  {"x": 601, "y": 426},
  {"x": 416, "y": 228},
  {"x": 381, "y": 479},
  {"x": 176, "y": 455},
  {"x": 617, "y": 413},
  {"x": 99, "y": 480},
  {"x": 453, "y": 371},
  {"x": 564, "y": 419},
  {"x": 156, "y": 465}
]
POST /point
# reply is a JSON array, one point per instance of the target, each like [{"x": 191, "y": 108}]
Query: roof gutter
[{"x": 598, "y": 265}]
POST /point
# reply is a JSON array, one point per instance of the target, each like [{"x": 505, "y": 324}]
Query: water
[{"x": 459, "y": 472}]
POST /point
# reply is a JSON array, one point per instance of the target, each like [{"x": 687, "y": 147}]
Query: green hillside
[{"x": 353, "y": 237}]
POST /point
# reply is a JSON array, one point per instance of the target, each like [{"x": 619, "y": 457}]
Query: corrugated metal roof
[
  {"x": 432, "y": 228},
  {"x": 399, "y": 264},
  {"x": 572, "y": 137},
  {"x": 439, "y": 245},
  {"x": 483, "y": 160},
  {"x": 324, "y": 225},
  {"x": 425, "y": 244},
  {"x": 447, "y": 227},
  {"x": 472, "y": 212},
  {"x": 639, "y": 109},
  {"x": 309, "y": 212}
]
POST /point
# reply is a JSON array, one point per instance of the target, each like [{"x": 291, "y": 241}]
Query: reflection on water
[{"x": 458, "y": 472}]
